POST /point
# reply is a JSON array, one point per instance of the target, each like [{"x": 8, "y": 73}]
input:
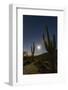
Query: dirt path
[{"x": 30, "y": 69}]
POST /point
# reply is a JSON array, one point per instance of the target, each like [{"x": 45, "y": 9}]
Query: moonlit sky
[{"x": 33, "y": 27}]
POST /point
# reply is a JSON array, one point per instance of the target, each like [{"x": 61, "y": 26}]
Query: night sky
[{"x": 33, "y": 28}]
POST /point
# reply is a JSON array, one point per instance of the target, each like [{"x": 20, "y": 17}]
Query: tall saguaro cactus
[
  {"x": 33, "y": 50},
  {"x": 50, "y": 46}
]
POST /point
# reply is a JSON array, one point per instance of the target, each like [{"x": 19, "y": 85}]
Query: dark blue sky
[{"x": 33, "y": 27}]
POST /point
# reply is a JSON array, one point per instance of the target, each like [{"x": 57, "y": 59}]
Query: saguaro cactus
[
  {"x": 33, "y": 50},
  {"x": 50, "y": 46}
]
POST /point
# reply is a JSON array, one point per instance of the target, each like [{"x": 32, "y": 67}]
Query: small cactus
[{"x": 33, "y": 50}]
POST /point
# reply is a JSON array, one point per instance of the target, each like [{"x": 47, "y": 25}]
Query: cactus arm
[
  {"x": 48, "y": 36},
  {"x": 54, "y": 42},
  {"x": 45, "y": 43}
]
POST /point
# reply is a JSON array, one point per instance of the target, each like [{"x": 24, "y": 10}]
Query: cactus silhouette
[
  {"x": 54, "y": 42},
  {"x": 50, "y": 46},
  {"x": 33, "y": 50}
]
